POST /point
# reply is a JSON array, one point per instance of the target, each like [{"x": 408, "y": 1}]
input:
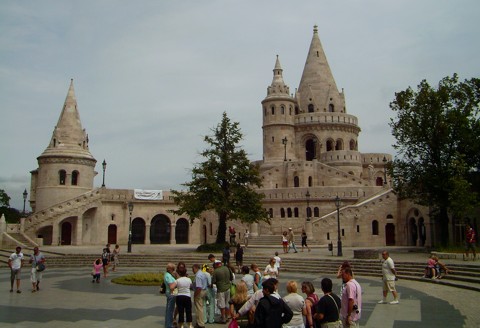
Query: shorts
[
  {"x": 35, "y": 276},
  {"x": 222, "y": 299},
  {"x": 285, "y": 243},
  {"x": 469, "y": 246},
  {"x": 389, "y": 286},
  {"x": 304, "y": 242},
  {"x": 15, "y": 274}
]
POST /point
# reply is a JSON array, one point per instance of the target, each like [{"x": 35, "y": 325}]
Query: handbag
[
  {"x": 233, "y": 290},
  {"x": 40, "y": 267},
  {"x": 233, "y": 324},
  {"x": 335, "y": 324}
]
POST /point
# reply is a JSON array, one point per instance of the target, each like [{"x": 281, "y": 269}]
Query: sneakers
[
  {"x": 394, "y": 302},
  {"x": 382, "y": 302}
]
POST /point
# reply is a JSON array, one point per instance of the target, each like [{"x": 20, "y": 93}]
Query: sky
[{"x": 152, "y": 78}]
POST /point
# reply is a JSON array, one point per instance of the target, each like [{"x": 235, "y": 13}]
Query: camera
[{"x": 355, "y": 308}]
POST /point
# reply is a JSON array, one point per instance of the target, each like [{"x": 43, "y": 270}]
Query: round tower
[
  {"x": 66, "y": 168},
  {"x": 278, "y": 112}
]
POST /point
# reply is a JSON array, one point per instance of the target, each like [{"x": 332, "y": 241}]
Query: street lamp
[
  {"x": 104, "y": 165},
  {"x": 384, "y": 170},
  {"x": 130, "y": 209},
  {"x": 307, "y": 196},
  {"x": 284, "y": 142},
  {"x": 25, "y": 194},
  {"x": 339, "y": 242}
]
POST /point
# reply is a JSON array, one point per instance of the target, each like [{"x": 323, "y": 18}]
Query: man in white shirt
[
  {"x": 389, "y": 273},
  {"x": 15, "y": 262}
]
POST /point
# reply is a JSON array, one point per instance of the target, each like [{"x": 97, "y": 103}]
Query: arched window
[
  {"x": 352, "y": 144},
  {"x": 375, "y": 227},
  {"x": 310, "y": 145},
  {"x": 273, "y": 110},
  {"x": 270, "y": 212},
  {"x": 309, "y": 212},
  {"x": 296, "y": 181},
  {"x": 282, "y": 109},
  {"x": 296, "y": 110},
  {"x": 310, "y": 181},
  {"x": 331, "y": 108},
  {"x": 62, "y": 176},
  {"x": 339, "y": 145},
  {"x": 295, "y": 212},
  {"x": 379, "y": 181},
  {"x": 316, "y": 212},
  {"x": 329, "y": 145},
  {"x": 290, "y": 110},
  {"x": 311, "y": 109},
  {"x": 289, "y": 212},
  {"x": 74, "y": 178},
  {"x": 282, "y": 212}
]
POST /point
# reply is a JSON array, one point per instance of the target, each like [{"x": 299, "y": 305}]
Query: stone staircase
[
  {"x": 17, "y": 239},
  {"x": 466, "y": 276}
]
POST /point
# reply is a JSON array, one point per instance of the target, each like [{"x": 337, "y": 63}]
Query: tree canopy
[
  {"x": 4, "y": 198},
  {"x": 437, "y": 132},
  {"x": 224, "y": 182}
]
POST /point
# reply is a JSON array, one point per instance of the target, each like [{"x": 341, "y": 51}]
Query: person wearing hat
[{"x": 291, "y": 240}]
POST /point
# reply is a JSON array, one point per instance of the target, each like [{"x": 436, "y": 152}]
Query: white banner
[{"x": 148, "y": 194}]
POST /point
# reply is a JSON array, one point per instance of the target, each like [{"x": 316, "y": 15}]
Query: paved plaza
[{"x": 68, "y": 299}]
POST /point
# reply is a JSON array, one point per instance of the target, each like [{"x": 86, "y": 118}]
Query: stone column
[
  {"x": 254, "y": 230},
  {"x": 172, "y": 234},
  {"x": 147, "y": 234},
  {"x": 55, "y": 235},
  {"x": 79, "y": 232}
]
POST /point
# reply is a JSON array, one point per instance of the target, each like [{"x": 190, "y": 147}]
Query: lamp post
[
  {"x": 25, "y": 194},
  {"x": 284, "y": 142},
  {"x": 130, "y": 209},
  {"x": 384, "y": 170},
  {"x": 339, "y": 242},
  {"x": 104, "y": 166},
  {"x": 307, "y": 196}
]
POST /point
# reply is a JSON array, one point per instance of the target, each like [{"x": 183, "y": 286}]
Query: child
[
  {"x": 97, "y": 268},
  {"x": 430, "y": 269},
  {"x": 278, "y": 261}
]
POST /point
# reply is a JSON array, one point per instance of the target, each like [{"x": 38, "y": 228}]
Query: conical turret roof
[
  {"x": 278, "y": 86},
  {"x": 317, "y": 85},
  {"x": 69, "y": 138}
]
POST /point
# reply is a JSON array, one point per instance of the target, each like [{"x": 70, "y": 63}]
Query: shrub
[
  {"x": 210, "y": 248},
  {"x": 140, "y": 279}
]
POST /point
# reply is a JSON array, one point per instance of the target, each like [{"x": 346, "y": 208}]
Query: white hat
[{"x": 289, "y": 228}]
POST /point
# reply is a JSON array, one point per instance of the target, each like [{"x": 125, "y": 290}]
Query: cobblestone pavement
[{"x": 68, "y": 299}]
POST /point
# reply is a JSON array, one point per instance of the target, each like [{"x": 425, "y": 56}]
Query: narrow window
[
  {"x": 62, "y": 176},
  {"x": 74, "y": 178},
  {"x": 331, "y": 108},
  {"x": 375, "y": 227},
  {"x": 296, "y": 181},
  {"x": 311, "y": 109},
  {"x": 282, "y": 212},
  {"x": 273, "y": 110},
  {"x": 316, "y": 212},
  {"x": 295, "y": 212},
  {"x": 270, "y": 212},
  {"x": 289, "y": 212},
  {"x": 310, "y": 181}
]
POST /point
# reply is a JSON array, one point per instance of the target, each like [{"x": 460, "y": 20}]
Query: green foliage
[
  {"x": 437, "y": 132},
  {"x": 224, "y": 182},
  {"x": 12, "y": 215},
  {"x": 140, "y": 279},
  {"x": 4, "y": 199},
  {"x": 211, "y": 248}
]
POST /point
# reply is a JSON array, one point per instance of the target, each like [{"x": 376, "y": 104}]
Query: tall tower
[
  {"x": 66, "y": 168},
  {"x": 278, "y": 119}
]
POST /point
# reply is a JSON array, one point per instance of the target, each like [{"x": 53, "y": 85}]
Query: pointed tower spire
[
  {"x": 68, "y": 136},
  {"x": 317, "y": 85},
  {"x": 278, "y": 86}
]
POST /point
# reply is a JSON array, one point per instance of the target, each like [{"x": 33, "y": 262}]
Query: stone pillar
[
  {"x": 309, "y": 230},
  {"x": 254, "y": 230},
  {"x": 172, "y": 234},
  {"x": 79, "y": 232},
  {"x": 147, "y": 234},
  {"x": 3, "y": 227},
  {"x": 55, "y": 234}
]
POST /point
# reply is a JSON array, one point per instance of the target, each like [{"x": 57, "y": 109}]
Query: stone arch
[
  {"x": 296, "y": 181},
  {"x": 66, "y": 232},
  {"x": 352, "y": 145},
  {"x": 46, "y": 234},
  {"x": 160, "y": 228},
  {"x": 330, "y": 145},
  {"x": 339, "y": 144},
  {"x": 181, "y": 231},
  {"x": 138, "y": 231}
]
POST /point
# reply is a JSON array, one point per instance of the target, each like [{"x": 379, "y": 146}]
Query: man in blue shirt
[{"x": 201, "y": 284}]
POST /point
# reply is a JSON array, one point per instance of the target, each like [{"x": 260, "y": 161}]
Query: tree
[
  {"x": 4, "y": 198},
  {"x": 223, "y": 182},
  {"x": 437, "y": 132}
]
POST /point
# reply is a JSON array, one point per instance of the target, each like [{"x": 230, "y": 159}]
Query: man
[
  {"x": 199, "y": 294},
  {"x": 250, "y": 305},
  {"x": 388, "y": 273},
  {"x": 222, "y": 277},
  {"x": 211, "y": 258},
  {"x": 15, "y": 262},
  {"x": 469, "y": 241},
  {"x": 327, "y": 309},
  {"x": 271, "y": 311},
  {"x": 351, "y": 308},
  {"x": 245, "y": 237},
  {"x": 35, "y": 275},
  {"x": 170, "y": 284},
  {"x": 291, "y": 240}
]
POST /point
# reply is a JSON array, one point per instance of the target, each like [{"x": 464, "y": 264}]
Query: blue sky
[{"x": 153, "y": 77}]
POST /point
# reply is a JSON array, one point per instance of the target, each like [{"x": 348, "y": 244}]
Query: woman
[
  {"x": 114, "y": 257},
  {"x": 237, "y": 301},
  {"x": 257, "y": 277},
  {"x": 170, "y": 285},
  {"x": 285, "y": 242},
  {"x": 248, "y": 280},
  {"x": 296, "y": 303},
  {"x": 183, "y": 299},
  {"x": 312, "y": 298},
  {"x": 304, "y": 240},
  {"x": 270, "y": 270}
]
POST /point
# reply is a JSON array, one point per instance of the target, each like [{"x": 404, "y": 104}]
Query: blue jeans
[{"x": 169, "y": 309}]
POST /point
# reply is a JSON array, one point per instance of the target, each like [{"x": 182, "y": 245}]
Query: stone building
[{"x": 314, "y": 178}]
